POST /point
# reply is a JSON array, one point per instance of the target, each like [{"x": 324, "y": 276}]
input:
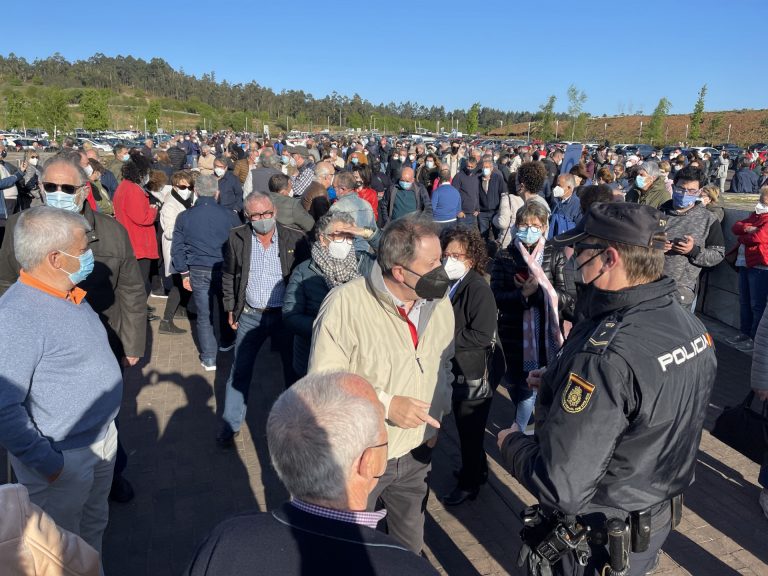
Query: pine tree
[{"x": 697, "y": 118}]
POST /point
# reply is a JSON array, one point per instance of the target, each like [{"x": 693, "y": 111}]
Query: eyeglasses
[
  {"x": 379, "y": 446},
  {"x": 66, "y": 188},
  {"x": 688, "y": 191},
  {"x": 339, "y": 238},
  {"x": 260, "y": 215},
  {"x": 526, "y": 228},
  {"x": 455, "y": 255}
]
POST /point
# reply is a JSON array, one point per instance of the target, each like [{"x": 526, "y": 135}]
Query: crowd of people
[{"x": 570, "y": 278}]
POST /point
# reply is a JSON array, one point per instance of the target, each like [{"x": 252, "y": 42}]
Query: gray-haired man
[{"x": 330, "y": 462}]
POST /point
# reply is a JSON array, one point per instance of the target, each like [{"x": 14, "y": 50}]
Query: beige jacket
[
  {"x": 32, "y": 545},
  {"x": 359, "y": 330}
]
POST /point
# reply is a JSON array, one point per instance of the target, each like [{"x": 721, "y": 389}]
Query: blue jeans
[
  {"x": 469, "y": 221},
  {"x": 206, "y": 292},
  {"x": 525, "y": 402},
  {"x": 485, "y": 224},
  {"x": 252, "y": 331},
  {"x": 753, "y": 293}
]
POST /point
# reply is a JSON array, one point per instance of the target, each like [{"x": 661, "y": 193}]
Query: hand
[
  {"x": 667, "y": 246},
  {"x": 461, "y": 215},
  {"x": 750, "y": 229},
  {"x": 475, "y": 213},
  {"x": 504, "y": 433},
  {"x": 685, "y": 246},
  {"x": 352, "y": 229},
  {"x": 530, "y": 286},
  {"x": 432, "y": 441},
  {"x": 534, "y": 378},
  {"x": 53, "y": 477},
  {"x": 186, "y": 283},
  {"x": 130, "y": 361},
  {"x": 23, "y": 166},
  {"x": 231, "y": 321},
  {"x": 407, "y": 412},
  {"x": 761, "y": 394}
]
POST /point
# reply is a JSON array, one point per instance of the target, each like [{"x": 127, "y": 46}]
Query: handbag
[
  {"x": 744, "y": 429},
  {"x": 482, "y": 388}
]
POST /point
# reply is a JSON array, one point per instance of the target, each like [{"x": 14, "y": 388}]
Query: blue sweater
[
  {"x": 60, "y": 384},
  {"x": 446, "y": 203},
  {"x": 201, "y": 234}
]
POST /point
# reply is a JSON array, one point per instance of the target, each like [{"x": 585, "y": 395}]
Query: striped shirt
[
  {"x": 303, "y": 179},
  {"x": 370, "y": 519},
  {"x": 265, "y": 288}
]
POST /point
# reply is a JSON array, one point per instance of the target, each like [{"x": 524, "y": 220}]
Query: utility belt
[{"x": 547, "y": 538}]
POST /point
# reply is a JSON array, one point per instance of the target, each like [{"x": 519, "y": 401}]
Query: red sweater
[
  {"x": 133, "y": 211},
  {"x": 755, "y": 243},
  {"x": 370, "y": 196}
]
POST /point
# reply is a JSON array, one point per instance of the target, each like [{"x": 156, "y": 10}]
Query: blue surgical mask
[
  {"x": 126, "y": 157},
  {"x": 355, "y": 160},
  {"x": 405, "y": 185},
  {"x": 682, "y": 200},
  {"x": 640, "y": 182},
  {"x": 331, "y": 193},
  {"x": 86, "y": 267},
  {"x": 486, "y": 172},
  {"x": 529, "y": 236},
  {"x": 62, "y": 200}
]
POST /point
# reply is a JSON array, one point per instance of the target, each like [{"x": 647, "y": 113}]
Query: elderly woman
[
  {"x": 334, "y": 262},
  {"x": 752, "y": 264},
  {"x": 181, "y": 198},
  {"x": 134, "y": 211},
  {"x": 465, "y": 258},
  {"x": 528, "y": 283},
  {"x": 33, "y": 193},
  {"x": 709, "y": 197}
]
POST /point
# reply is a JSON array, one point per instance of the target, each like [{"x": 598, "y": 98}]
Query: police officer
[{"x": 620, "y": 412}]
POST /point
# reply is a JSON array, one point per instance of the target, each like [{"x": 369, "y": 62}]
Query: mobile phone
[{"x": 522, "y": 272}]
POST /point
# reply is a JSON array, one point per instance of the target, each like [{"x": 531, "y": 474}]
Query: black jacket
[
  {"x": 512, "y": 304},
  {"x": 423, "y": 203},
  {"x": 620, "y": 412},
  {"x": 231, "y": 192},
  {"x": 115, "y": 287},
  {"x": 489, "y": 201},
  {"x": 294, "y": 249},
  {"x": 475, "y": 313},
  {"x": 178, "y": 157},
  {"x": 468, "y": 185},
  {"x": 289, "y": 542}
]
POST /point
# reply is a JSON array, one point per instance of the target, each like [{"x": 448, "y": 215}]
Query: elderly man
[
  {"x": 230, "y": 191},
  {"x": 468, "y": 185},
  {"x": 405, "y": 197},
  {"x": 306, "y": 169},
  {"x": 315, "y": 197},
  {"x": 115, "y": 288},
  {"x": 330, "y": 463},
  {"x": 258, "y": 178},
  {"x": 197, "y": 252},
  {"x": 260, "y": 257},
  {"x": 490, "y": 188},
  {"x": 348, "y": 200},
  {"x": 10, "y": 177},
  {"x": 567, "y": 209},
  {"x": 649, "y": 187},
  {"x": 401, "y": 302},
  {"x": 59, "y": 394},
  {"x": 146, "y": 150},
  {"x": 205, "y": 162},
  {"x": 290, "y": 211}
]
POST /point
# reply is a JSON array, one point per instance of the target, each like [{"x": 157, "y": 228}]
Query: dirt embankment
[{"x": 747, "y": 127}]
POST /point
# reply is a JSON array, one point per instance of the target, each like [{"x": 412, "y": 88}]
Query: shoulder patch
[
  {"x": 576, "y": 394},
  {"x": 602, "y": 336}
]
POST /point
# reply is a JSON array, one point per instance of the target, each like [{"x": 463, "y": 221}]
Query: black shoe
[
  {"x": 121, "y": 491},
  {"x": 483, "y": 477},
  {"x": 151, "y": 309},
  {"x": 226, "y": 438},
  {"x": 458, "y": 496},
  {"x": 152, "y": 317},
  {"x": 181, "y": 312},
  {"x": 168, "y": 327}
]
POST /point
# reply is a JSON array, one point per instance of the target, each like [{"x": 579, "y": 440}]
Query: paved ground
[{"x": 185, "y": 484}]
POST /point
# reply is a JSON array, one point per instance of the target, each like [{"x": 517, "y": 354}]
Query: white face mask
[
  {"x": 219, "y": 171},
  {"x": 33, "y": 161},
  {"x": 558, "y": 192},
  {"x": 88, "y": 170},
  {"x": 761, "y": 208},
  {"x": 412, "y": 157},
  {"x": 455, "y": 268},
  {"x": 339, "y": 250},
  {"x": 185, "y": 194},
  {"x": 430, "y": 165}
]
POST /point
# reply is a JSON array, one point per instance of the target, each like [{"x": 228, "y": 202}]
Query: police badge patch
[{"x": 576, "y": 394}]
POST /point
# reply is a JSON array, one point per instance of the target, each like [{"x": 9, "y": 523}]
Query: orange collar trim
[{"x": 75, "y": 295}]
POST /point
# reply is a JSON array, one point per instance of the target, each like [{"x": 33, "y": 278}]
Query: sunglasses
[
  {"x": 182, "y": 187},
  {"x": 66, "y": 188}
]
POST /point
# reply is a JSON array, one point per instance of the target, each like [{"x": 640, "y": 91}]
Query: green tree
[
  {"x": 153, "y": 114},
  {"x": 16, "y": 107},
  {"x": 714, "y": 126},
  {"x": 95, "y": 109},
  {"x": 655, "y": 131},
  {"x": 579, "y": 130},
  {"x": 546, "y": 127},
  {"x": 576, "y": 100},
  {"x": 697, "y": 118},
  {"x": 472, "y": 116},
  {"x": 53, "y": 110}
]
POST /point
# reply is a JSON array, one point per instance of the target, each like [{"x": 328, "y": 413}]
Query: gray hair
[
  {"x": 651, "y": 168},
  {"x": 206, "y": 185},
  {"x": 269, "y": 161},
  {"x": 255, "y": 197},
  {"x": 42, "y": 230},
  {"x": 569, "y": 178},
  {"x": 323, "y": 169},
  {"x": 329, "y": 218},
  {"x": 398, "y": 242},
  {"x": 315, "y": 432},
  {"x": 68, "y": 157},
  {"x": 532, "y": 209}
]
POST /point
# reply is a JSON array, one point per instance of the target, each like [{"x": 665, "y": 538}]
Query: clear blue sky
[{"x": 508, "y": 54}]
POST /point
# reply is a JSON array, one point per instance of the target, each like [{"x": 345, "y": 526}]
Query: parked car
[
  {"x": 101, "y": 146},
  {"x": 703, "y": 149},
  {"x": 732, "y": 149}
]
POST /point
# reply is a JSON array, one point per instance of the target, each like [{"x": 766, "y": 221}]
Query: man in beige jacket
[{"x": 395, "y": 329}]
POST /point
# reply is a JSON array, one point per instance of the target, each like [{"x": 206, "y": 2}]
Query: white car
[{"x": 101, "y": 146}]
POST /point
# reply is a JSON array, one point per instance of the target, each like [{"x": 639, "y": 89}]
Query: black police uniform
[{"x": 619, "y": 415}]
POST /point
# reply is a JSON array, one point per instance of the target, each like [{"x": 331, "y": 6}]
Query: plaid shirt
[
  {"x": 370, "y": 519},
  {"x": 303, "y": 179},
  {"x": 265, "y": 288}
]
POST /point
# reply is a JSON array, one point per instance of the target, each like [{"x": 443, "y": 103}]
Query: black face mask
[
  {"x": 433, "y": 285},
  {"x": 454, "y": 150},
  {"x": 3, "y": 154},
  {"x": 585, "y": 291}
]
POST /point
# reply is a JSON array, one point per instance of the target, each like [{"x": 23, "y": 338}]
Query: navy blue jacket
[
  {"x": 231, "y": 192},
  {"x": 200, "y": 235},
  {"x": 489, "y": 201},
  {"x": 468, "y": 186},
  {"x": 745, "y": 181},
  {"x": 564, "y": 216}
]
